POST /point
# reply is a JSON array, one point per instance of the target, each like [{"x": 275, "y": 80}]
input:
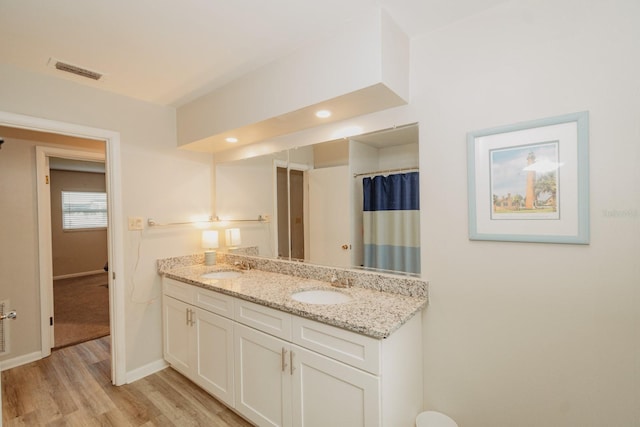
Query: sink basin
[
  {"x": 321, "y": 296},
  {"x": 222, "y": 275}
]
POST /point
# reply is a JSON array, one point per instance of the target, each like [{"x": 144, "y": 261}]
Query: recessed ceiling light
[
  {"x": 231, "y": 140},
  {"x": 323, "y": 114}
]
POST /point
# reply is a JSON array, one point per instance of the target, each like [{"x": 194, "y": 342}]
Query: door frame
[
  {"x": 45, "y": 246},
  {"x": 114, "y": 234},
  {"x": 304, "y": 168}
]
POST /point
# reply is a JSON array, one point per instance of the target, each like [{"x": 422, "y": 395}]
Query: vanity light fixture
[
  {"x": 231, "y": 140},
  {"x": 323, "y": 114},
  {"x": 210, "y": 242}
]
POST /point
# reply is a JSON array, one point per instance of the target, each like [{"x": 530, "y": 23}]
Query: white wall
[
  {"x": 372, "y": 48},
  {"x": 524, "y": 334},
  {"x": 245, "y": 190},
  {"x": 399, "y": 156},
  {"x": 158, "y": 181}
]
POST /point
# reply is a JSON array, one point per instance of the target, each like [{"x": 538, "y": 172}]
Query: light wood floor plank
[
  {"x": 57, "y": 388},
  {"x": 73, "y": 387}
]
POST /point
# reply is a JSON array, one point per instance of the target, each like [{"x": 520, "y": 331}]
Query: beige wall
[
  {"x": 18, "y": 245},
  {"x": 521, "y": 334},
  {"x": 19, "y": 238},
  {"x": 80, "y": 251}
]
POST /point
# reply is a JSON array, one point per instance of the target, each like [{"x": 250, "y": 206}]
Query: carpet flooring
[{"x": 81, "y": 309}]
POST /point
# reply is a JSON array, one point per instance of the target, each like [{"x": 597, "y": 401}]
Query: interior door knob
[
  {"x": 346, "y": 246},
  {"x": 10, "y": 315}
]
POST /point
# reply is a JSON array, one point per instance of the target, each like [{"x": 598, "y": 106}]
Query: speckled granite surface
[
  {"x": 374, "y": 310},
  {"x": 398, "y": 284}
]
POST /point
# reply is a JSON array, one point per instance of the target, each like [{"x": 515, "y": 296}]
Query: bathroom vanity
[{"x": 278, "y": 361}]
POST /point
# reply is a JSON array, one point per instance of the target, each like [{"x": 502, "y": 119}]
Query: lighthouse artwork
[
  {"x": 529, "y": 181},
  {"x": 524, "y": 182}
]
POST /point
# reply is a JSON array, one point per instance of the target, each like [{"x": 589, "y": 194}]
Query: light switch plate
[{"x": 136, "y": 223}]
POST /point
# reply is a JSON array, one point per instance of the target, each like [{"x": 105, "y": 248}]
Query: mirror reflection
[{"x": 351, "y": 203}]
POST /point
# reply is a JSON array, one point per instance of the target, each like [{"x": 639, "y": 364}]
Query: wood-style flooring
[{"x": 73, "y": 387}]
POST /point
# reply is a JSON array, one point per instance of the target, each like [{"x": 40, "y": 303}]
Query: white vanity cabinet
[
  {"x": 292, "y": 371},
  {"x": 329, "y": 393},
  {"x": 197, "y": 342},
  {"x": 263, "y": 383},
  {"x": 279, "y": 383}
]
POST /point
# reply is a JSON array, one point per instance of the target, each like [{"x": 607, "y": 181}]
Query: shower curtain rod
[{"x": 355, "y": 175}]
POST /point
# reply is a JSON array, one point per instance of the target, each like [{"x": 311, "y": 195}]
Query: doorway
[
  {"x": 111, "y": 157},
  {"x": 79, "y": 221},
  {"x": 290, "y": 212}
]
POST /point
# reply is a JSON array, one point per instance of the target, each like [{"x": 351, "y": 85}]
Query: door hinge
[
  {"x": 50, "y": 321},
  {"x": 46, "y": 179},
  {"x": 113, "y": 275}
]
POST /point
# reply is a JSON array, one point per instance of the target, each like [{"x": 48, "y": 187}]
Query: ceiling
[
  {"x": 170, "y": 52},
  {"x": 401, "y": 135}
]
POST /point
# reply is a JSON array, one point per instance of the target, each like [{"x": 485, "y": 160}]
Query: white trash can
[{"x": 434, "y": 419}]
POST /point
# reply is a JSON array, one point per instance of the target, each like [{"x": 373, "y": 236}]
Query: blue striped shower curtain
[{"x": 391, "y": 221}]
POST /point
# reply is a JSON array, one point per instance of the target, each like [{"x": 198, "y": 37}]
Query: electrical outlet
[{"x": 135, "y": 223}]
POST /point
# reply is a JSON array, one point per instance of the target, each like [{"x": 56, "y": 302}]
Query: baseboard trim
[
  {"x": 20, "y": 360},
  {"x": 148, "y": 369},
  {"x": 84, "y": 273}
]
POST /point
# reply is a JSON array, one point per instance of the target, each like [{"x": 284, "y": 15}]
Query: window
[{"x": 84, "y": 209}]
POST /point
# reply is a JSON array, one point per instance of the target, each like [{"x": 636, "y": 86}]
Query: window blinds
[{"x": 84, "y": 209}]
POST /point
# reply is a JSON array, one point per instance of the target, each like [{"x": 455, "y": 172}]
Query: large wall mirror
[{"x": 352, "y": 202}]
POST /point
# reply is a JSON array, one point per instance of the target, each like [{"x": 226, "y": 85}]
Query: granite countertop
[{"x": 370, "y": 312}]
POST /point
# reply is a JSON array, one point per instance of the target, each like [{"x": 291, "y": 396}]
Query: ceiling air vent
[{"x": 63, "y": 66}]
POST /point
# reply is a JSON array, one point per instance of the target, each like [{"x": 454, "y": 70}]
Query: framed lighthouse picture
[{"x": 529, "y": 182}]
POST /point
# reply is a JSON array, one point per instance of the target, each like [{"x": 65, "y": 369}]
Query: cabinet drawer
[
  {"x": 265, "y": 319},
  {"x": 178, "y": 290},
  {"x": 214, "y": 302},
  {"x": 353, "y": 349}
]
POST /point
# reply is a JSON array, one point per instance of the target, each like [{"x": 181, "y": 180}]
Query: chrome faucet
[
  {"x": 242, "y": 265},
  {"x": 337, "y": 283}
]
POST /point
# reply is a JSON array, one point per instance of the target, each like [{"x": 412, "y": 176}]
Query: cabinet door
[
  {"x": 177, "y": 334},
  {"x": 329, "y": 393},
  {"x": 214, "y": 354},
  {"x": 262, "y": 377}
]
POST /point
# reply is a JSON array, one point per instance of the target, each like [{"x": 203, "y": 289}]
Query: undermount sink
[
  {"x": 321, "y": 296},
  {"x": 222, "y": 275}
]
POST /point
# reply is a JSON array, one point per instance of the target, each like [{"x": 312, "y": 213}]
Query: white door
[
  {"x": 329, "y": 393},
  {"x": 330, "y": 216},
  {"x": 214, "y": 355},
  {"x": 262, "y": 377}
]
